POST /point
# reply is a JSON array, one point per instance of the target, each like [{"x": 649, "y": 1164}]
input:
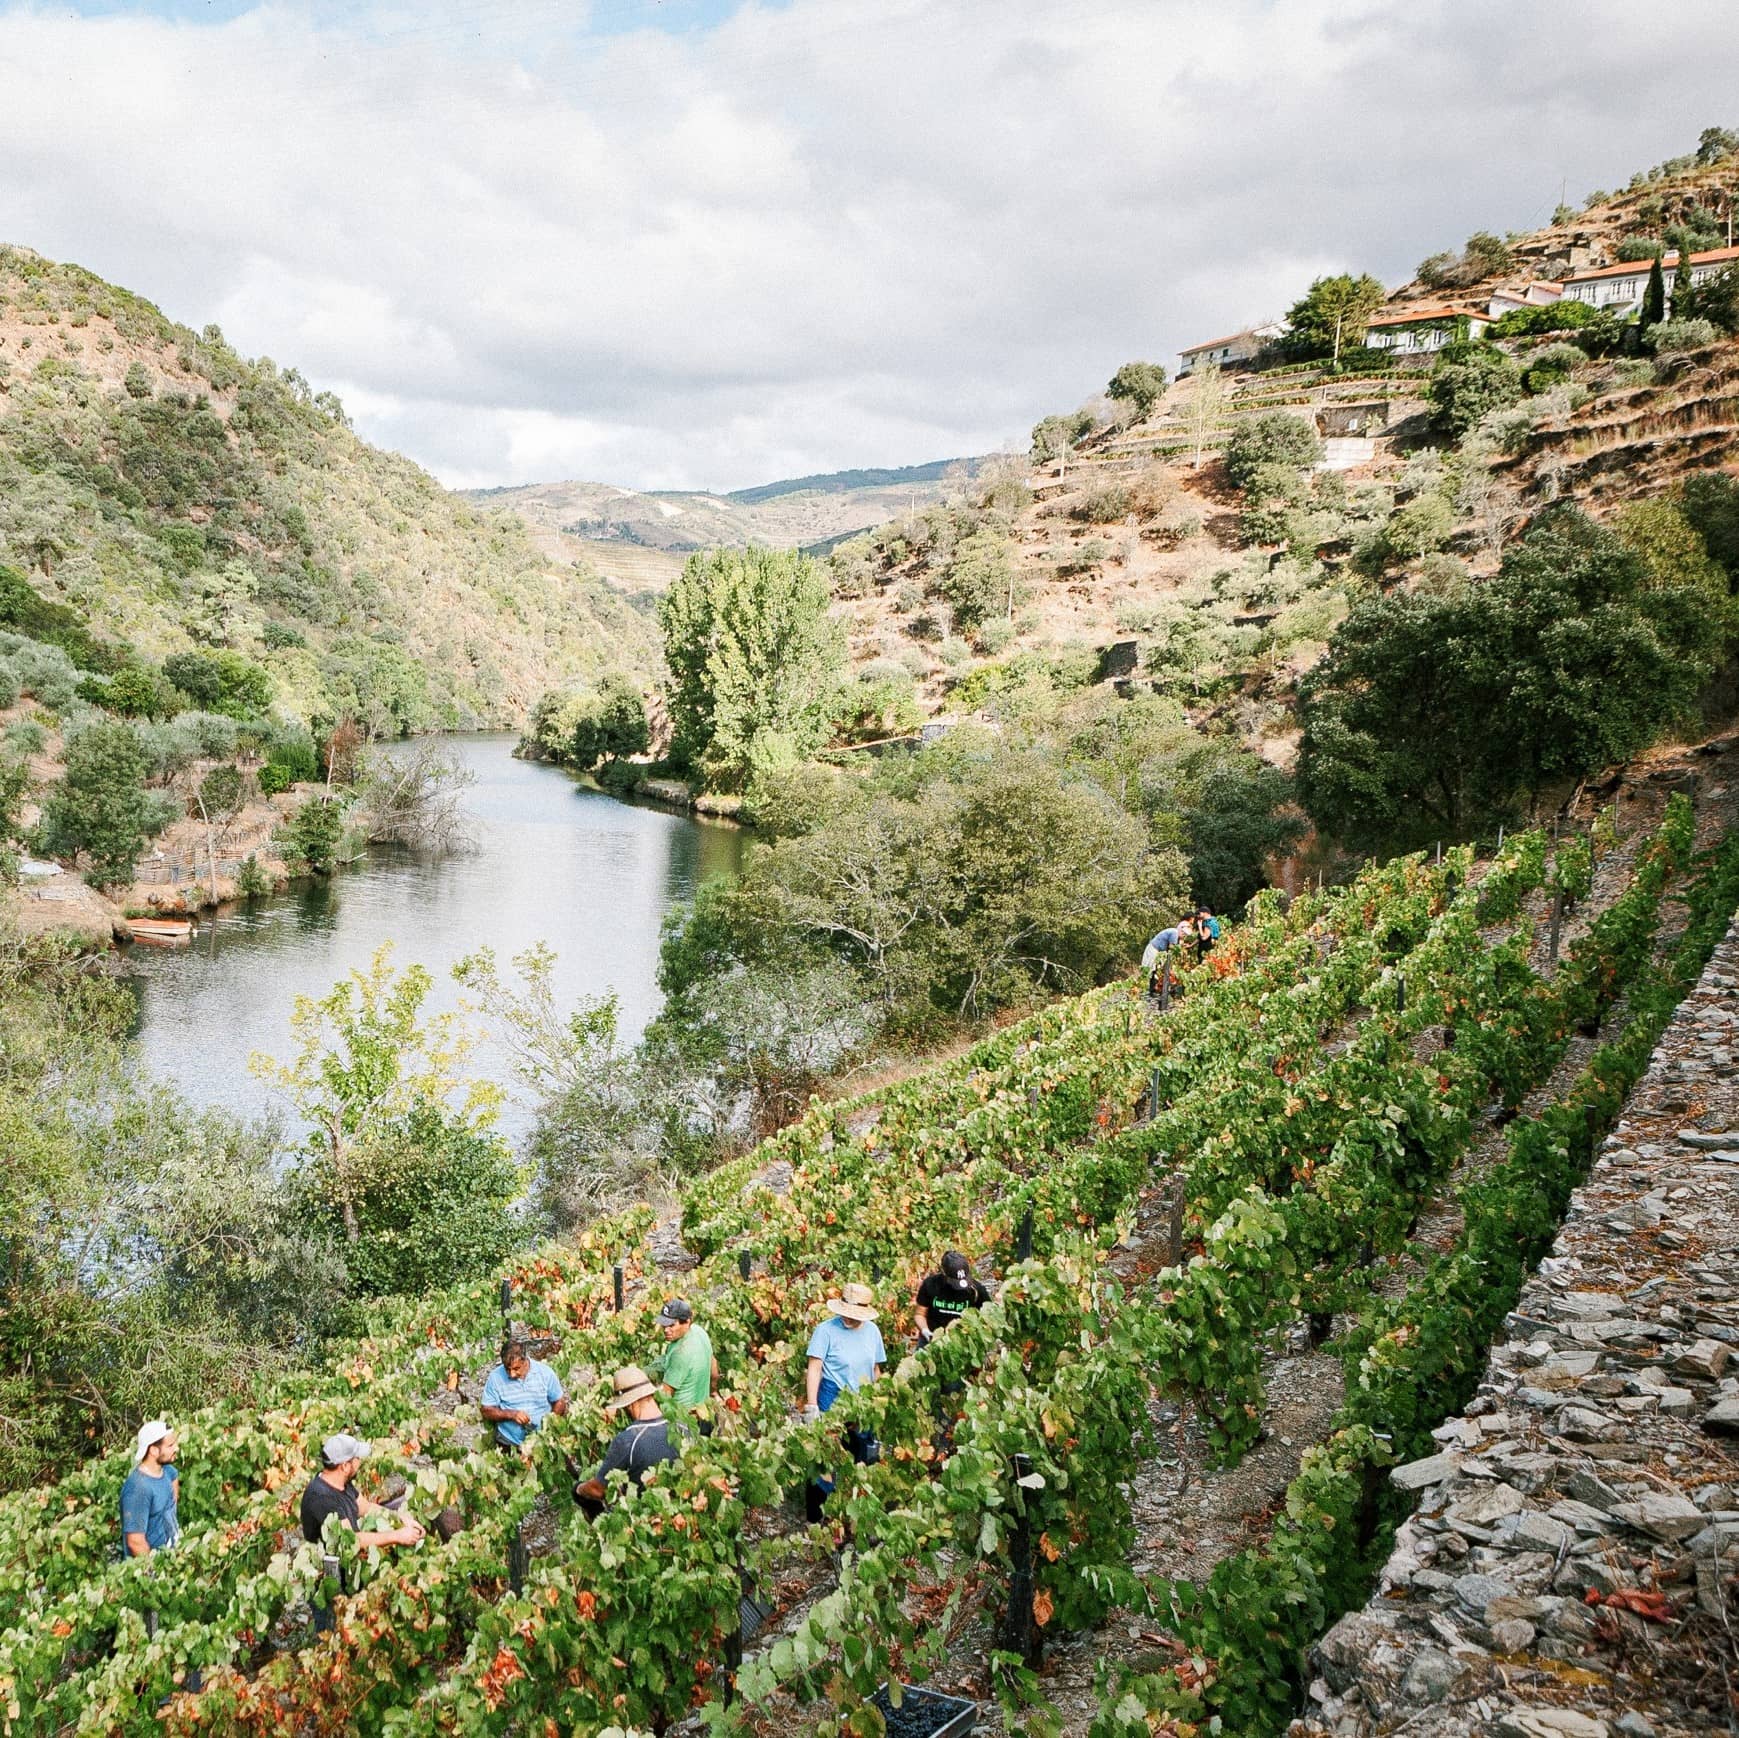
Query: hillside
[
  {"x": 1225, "y": 592},
  {"x": 630, "y": 535},
  {"x": 177, "y": 496}
]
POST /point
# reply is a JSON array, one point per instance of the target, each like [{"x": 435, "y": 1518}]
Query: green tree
[
  {"x": 1682, "y": 283},
  {"x": 1055, "y": 438},
  {"x": 100, "y": 805},
  {"x": 14, "y": 788},
  {"x": 137, "y": 380},
  {"x": 315, "y": 832},
  {"x": 369, "y": 1068},
  {"x": 1469, "y": 382},
  {"x": 981, "y": 579},
  {"x": 1654, "y": 298},
  {"x": 1141, "y": 384},
  {"x": 221, "y": 681},
  {"x": 1420, "y": 527},
  {"x": 1332, "y": 315},
  {"x": 755, "y": 660},
  {"x": 1431, "y": 713},
  {"x": 1715, "y": 300},
  {"x": 1274, "y": 438},
  {"x": 1709, "y": 501},
  {"x": 1714, "y": 143},
  {"x": 584, "y": 729}
]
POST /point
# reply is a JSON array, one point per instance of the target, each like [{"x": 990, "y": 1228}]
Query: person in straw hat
[
  {"x": 845, "y": 1353},
  {"x": 639, "y": 1446}
]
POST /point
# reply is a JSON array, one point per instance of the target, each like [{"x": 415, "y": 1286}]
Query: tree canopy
[
  {"x": 1332, "y": 315},
  {"x": 755, "y": 661},
  {"x": 1141, "y": 384},
  {"x": 1431, "y": 715}
]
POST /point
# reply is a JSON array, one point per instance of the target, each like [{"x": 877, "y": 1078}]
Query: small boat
[{"x": 168, "y": 931}]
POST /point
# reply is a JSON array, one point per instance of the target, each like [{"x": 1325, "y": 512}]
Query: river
[{"x": 549, "y": 862}]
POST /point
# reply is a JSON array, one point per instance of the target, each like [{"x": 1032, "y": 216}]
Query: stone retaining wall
[{"x": 1571, "y": 1569}]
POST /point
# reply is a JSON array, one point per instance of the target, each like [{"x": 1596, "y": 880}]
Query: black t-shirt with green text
[{"x": 945, "y": 1302}]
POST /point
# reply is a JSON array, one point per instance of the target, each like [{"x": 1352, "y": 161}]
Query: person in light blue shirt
[
  {"x": 845, "y": 1354},
  {"x": 520, "y": 1394}
]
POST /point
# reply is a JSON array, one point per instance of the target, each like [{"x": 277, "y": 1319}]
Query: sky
[{"x": 709, "y": 243}]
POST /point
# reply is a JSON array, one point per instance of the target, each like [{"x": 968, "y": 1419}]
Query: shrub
[
  {"x": 1565, "y": 315},
  {"x": 1103, "y": 505},
  {"x": 982, "y": 580},
  {"x": 44, "y": 672},
  {"x": 251, "y": 881},
  {"x": 314, "y": 833},
  {"x": 1547, "y": 367},
  {"x": 1469, "y": 382},
  {"x": 1421, "y": 527},
  {"x": 138, "y": 381},
  {"x": 1639, "y": 247},
  {"x": 1274, "y": 438},
  {"x": 1673, "y": 336}
]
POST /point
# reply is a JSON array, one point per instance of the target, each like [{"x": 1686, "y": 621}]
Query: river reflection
[{"x": 554, "y": 863}]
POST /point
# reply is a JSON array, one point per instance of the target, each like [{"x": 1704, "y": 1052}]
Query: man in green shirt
[{"x": 688, "y": 1369}]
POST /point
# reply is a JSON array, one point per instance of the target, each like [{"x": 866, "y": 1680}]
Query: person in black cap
[{"x": 945, "y": 1297}]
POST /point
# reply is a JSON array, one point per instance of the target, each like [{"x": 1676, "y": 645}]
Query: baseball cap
[
  {"x": 955, "y": 1267},
  {"x": 149, "y": 1436},
  {"x": 336, "y": 1449},
  {"x": 675, "y": 1309}
]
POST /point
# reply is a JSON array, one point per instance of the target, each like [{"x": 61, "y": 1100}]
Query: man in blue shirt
[
  {"x": 520, "y": 1394},
  {"x": 845, "y": 1353},
  {"x": 149, "y": 1521}
]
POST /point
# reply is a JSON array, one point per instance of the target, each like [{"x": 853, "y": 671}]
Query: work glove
[{"x": 810, "y": 1414}]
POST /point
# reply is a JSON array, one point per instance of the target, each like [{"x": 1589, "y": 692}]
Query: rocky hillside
[{"x": 176, "y": 496}]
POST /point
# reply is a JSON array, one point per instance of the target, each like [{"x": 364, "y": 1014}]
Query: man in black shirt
[
  {"x": 945, "y": 1297},
  {"x": 641, "y": 1445},
  {"x": 332, "y": 1491}
]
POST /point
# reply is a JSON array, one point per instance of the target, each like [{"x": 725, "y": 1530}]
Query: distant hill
[
  {"x": 598, "y": 523},
  {"x": 173, "y": 494}
]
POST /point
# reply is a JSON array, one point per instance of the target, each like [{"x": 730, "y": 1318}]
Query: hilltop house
[
  {"x": 1240, "y": 347},
  {"x": 1420, "y": 331},
  {"x": 1506, "y": 298},
  {"x": 1621, "y": 287}
]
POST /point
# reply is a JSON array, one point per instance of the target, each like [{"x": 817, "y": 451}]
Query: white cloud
[{"x": 824, "y": 233}]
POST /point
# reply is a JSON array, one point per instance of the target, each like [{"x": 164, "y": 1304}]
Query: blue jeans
[{"x": 861, "y": 1445}]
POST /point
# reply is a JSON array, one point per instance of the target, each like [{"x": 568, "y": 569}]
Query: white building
[
  {"x": 1421, "y": 331},
  {"x": 1541, "y": 293},
  {"x": 1240, "y": 347},
  {"x": 1621, "y": 287}
]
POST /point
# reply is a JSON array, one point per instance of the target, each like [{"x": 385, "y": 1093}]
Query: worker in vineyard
[
  {"x": 151, "y": 1493},
  {"x": 845, "y": 1354},
  {"x": 1153, "y": 957},
  {"x": 1207, "y": 931},
  {"x": 332, "y": 1491},
  {"x": 945, "y": 1296},
  {"x": 644, "y": 1442},
  {"x": 520, "y": 1394},
  {"x": 687, "y": 1371}
]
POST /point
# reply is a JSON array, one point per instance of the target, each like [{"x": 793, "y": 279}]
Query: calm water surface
[{"x": 552, "y": 863}]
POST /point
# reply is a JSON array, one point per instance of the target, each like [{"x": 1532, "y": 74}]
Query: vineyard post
[
  {"x": 1023, "y": 1247},
  {"x": 1018, "y": 1633},
  {"x": 1500, "y": 836},
  {"x": 518, "y": 1560},
  {"x": 1165, "y": 985},
  {"x": 745, "y": 1260},
  {"x": 1177, "y": 1194},
  {"x": 616, "y": 1284},
  {"x": 1439, "y": 862},
  {"x": 1153, "y": 1097},
  {"x": 1557, "y": 920},
  {"x": 507, "y": 1309},
  {"x": 1400, "y": 992}
]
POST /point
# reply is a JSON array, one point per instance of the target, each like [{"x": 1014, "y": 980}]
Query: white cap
[
  {"x": 337, "y": 1449},
  {"x": 149, "y": 1436}
]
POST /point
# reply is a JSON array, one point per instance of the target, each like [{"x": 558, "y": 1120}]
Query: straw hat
[
  {"x": 632, "y": 1383},
  {"x": 857, "y": 1303}
]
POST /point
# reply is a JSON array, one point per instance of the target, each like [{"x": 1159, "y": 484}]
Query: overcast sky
[{"x": 704, "y": 244}]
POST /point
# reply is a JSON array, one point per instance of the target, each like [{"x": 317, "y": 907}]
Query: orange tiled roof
[
  {"x": 1641, "y": 267},
  {"x": 1215, "y": 343},
  {"x": 1411, "y": 316}
]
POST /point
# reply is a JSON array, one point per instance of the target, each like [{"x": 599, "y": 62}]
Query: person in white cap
[
  {"x": 151, "y": 1493},
  {"x": 637, "y": 1448},
  {"x": 332, "y": 1491}
]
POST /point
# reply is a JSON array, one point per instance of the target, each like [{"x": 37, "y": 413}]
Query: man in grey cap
[{"x": 332, "y": 1491}]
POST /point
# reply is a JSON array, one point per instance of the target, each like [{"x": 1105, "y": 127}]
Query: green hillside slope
[{"x": 175, "y": 495}]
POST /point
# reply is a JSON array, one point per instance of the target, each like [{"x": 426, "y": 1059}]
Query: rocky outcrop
[{"x": 1570, "y": 1571}]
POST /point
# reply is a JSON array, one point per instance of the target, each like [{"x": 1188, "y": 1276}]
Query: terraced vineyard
[{"x": 1307, "y": 1096}]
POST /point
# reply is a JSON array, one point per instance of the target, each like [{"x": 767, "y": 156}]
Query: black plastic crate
[{"x": 926, "y": 1713}]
